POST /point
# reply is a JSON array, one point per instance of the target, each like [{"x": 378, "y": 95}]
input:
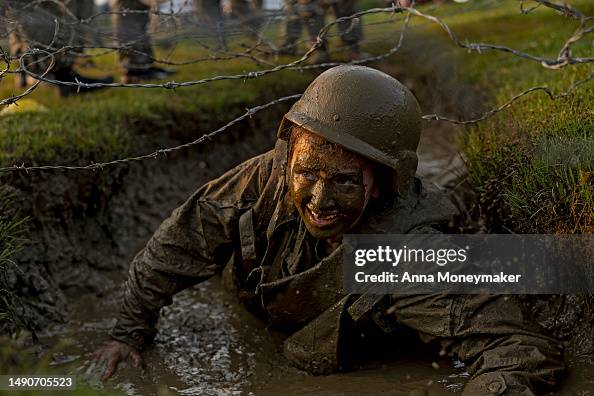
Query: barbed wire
[
  {"x": 30, "y": 89},
  {"x": 252, "y": 111},
  {"x": 161, "y": 152},
  {"x": 564, "y": 59},
  {"x": 492, "y": 112}
]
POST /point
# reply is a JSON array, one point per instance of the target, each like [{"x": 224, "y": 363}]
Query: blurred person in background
[
  {"x": 311, "y": 13},
  {"x": 248, "y": 14},
  {"x": 54, "y": 28},
  {"x": 351, "y": 31},
  {"x": 210, "y": 20},
  {"x": 308, "y": 14},
  {"x": 135, "y": 51}
]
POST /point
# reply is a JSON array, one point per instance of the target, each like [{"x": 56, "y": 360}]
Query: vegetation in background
[
  {"x": 11, "y": 240},
  {"x": 118, "y": 122},
  {"x": 533, "y": 164}
]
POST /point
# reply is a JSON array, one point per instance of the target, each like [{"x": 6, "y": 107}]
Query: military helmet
[{"x": 363, "y": 110}]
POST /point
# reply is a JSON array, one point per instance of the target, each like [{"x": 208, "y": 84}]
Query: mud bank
[{"x": 85, "y": 225}]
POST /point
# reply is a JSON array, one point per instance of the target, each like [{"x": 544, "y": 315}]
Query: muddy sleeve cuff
[
  {"x": 520, "y": 365},
  {"x": 149, "y": 287},
  {"x": 139, "y": 339},
  {"x": 507, "y": 354},
  {"x": 495, "y": 384}
]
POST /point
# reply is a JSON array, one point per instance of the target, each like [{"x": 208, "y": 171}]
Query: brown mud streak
[{"x": 86, "y": 227}]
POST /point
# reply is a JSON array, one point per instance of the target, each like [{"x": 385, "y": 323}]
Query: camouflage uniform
[
  {"x": 246, "y": 12},
  {"x": 131, "y": 33},
  {"x": 245, "y": 224},
  {"x": 209, "y": 11},
  {"x": 299, "y": 13},
  {"x": 351, "y": 31},
  {"x": 311, "y": 14},
  {"x": 210, "y": 20}
]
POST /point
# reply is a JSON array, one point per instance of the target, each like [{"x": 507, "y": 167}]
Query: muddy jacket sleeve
[
  {"x": 505, "y": 353},
  {"x": 193, "y": 244}
]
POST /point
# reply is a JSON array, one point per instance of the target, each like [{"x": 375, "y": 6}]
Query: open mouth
[{"x": 322, "y": 219}]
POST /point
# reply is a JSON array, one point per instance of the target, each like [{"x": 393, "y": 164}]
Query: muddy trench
[{"x": 86, "y": 227}]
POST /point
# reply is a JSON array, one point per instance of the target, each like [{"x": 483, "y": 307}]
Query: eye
[
  {"x": 346, "y": 180},
  {"x": 306, "y": 175}
]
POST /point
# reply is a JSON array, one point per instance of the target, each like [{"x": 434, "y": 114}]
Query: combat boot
[
  {"x": 134, "y": 76},
  {"x": 69, "y": 75}
]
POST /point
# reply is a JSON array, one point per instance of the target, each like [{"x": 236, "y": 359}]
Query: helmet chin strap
[
  {"x": 405, "y": 173},
  {"x": 284, "y": 129}
]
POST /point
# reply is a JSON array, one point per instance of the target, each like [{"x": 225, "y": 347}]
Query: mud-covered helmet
[{"x": 365, "y": 111}]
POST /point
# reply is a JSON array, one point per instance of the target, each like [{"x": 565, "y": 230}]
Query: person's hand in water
[{"x": 112, "y": 353}]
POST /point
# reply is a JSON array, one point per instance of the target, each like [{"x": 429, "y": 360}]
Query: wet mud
[{"x": 209, "y": 345}]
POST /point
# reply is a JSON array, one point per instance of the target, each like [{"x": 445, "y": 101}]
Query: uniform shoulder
[{"x": 424, "y": 205}]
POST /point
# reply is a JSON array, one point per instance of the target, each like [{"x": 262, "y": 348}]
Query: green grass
[
  {"x": 534, "y": 162},
  {"x": 12, "y": 230},
  {"x": 117, "y": 122}
]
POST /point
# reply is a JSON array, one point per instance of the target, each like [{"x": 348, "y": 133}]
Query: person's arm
[
  {"x": 193, "y": 244},
  {"x": 504, "y": 352}
]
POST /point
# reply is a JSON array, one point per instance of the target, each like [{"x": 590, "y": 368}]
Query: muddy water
[
  {"x": 209, "y": 345},
  {"x": 439, "y": 159}
]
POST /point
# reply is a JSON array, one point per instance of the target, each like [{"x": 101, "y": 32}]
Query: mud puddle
[{"x": 209, "y": 345}]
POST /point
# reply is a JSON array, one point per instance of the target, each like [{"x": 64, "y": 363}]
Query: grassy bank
[
  {"x": 12, "y": 230},
  {"x": 111, "y": 124},
  {"x": 532, "y": 164},
  {"x": 119, "y": 122}
]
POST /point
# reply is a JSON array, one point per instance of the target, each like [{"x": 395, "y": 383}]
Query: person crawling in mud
[{"x": 344, "y": 162}]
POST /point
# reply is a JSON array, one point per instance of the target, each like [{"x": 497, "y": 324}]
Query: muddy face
[{"x": 330, "y": 185}]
